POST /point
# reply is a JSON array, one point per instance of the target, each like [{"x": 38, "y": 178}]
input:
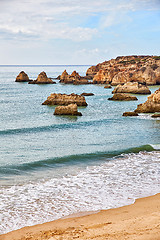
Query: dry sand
[{"x": 139, "y": 221}]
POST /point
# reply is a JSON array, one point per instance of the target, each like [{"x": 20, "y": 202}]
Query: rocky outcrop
[
  {"x": 64, "y": 99},
  {"x": 71, "y": 109},
  {"x": 152, "y": 104},
  {"x": 132, "y": 87},
  {"x": 87, "y": 94},
  {"x": 42, "y": 79},
  {"x": 22, "y": 77},
  {"x": 122, "y": 97},
  {"x": 64, "y": 76},
  {"x": 142, "y": 69},
  {"x": 130, "y": 114},
  {"x": 107, "y": 86},
  {"x": 74, "y": 78}
]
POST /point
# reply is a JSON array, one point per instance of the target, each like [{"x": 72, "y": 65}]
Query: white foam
[{"x": 112, "y": 184}]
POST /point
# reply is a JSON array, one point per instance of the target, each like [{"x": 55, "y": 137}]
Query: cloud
[{"x": 52, "y": 19}]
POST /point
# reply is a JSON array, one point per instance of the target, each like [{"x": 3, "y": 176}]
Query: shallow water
[{"x": 52, "y": 166}]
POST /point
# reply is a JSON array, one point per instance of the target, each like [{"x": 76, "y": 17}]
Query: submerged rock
[
  {"x": 22, "y": 77},
  {"x": 42, "y": 79},
  {"x": 123, "y": 97},
  {"x": 70, "y": 109},
  {"x": 132, "y": 87},
  {"x": 152, "y": 104},
  {"x": 64, "y": 99},
  {"x": 129, "y": 114}
]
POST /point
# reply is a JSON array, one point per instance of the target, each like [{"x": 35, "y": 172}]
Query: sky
[{"x": 77, "y": 31}]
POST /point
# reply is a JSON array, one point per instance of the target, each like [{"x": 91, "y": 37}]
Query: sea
[{"x": 55, "y": 166}]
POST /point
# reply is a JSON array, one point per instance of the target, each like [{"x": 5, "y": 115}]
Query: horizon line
[{"x": 45, "y": 65}]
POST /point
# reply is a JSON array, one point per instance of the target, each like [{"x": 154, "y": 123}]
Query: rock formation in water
[
  {"x": 22, "y": 77},
  {"x": 152, "y": 104},
  {"x": 142, "y": 69},
  {"x": 70, "y": 109},
  {"x": 42, "y": 79},
  {"x": 87, "y": 94},
  {"x": 132, "y": 87},
  {"x": 64, "y": 99},
  {"x": 129, "y": 114},
  {"x": 122, "y": 97},
  {"x": 156, "y": 115},
  {"x": 74, "y": 78},
  {"x": 107, "y": 86}
]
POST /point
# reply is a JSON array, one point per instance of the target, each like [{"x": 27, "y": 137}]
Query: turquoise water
[{"x": 53, "y": 166}]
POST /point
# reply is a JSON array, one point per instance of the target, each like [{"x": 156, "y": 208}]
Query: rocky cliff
[{"x": 142, "y": 69}]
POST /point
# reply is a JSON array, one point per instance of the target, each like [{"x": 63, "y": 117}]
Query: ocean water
[{"x": 54, "y": 166}]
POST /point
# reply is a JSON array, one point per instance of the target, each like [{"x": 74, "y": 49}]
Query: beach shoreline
[{"x": 140, "y": 221}]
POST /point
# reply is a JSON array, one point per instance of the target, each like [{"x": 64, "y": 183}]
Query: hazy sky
[{"x": 77, "y": 31}]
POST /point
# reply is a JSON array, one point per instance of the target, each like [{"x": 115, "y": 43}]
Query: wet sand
[{"x": 139, "y": 221}]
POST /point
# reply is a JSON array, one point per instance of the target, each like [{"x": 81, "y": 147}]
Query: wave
[
  {"x": 18, "y": 169},
  {"x": 55, "y": 127}
]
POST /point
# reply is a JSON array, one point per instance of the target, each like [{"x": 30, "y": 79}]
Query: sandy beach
[{"x": 139, "y": 221}]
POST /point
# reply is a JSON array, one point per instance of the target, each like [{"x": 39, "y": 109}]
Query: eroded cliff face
[{"x": 142, "y": 69}]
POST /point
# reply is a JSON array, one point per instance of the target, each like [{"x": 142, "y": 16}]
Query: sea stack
[
  {"x": 42, "y": 79},
  {"x": 22, "y": 77}
]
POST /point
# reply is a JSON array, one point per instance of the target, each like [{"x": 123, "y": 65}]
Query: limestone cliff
[{"x": 142, "y": 69}]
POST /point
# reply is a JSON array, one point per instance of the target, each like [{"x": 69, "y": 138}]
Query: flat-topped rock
[
  {"x": 42, "y": 79},
  {"x": 70, "y": 109},
  {"x": 152, "y": 104},
  {"x": 123, "y": 97},
  {"x": 22, "y": 77},
  {"x": 132, "y": 87},
  {"x": 130, "y": 114},
  {"x": 64, "y": 99}
]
